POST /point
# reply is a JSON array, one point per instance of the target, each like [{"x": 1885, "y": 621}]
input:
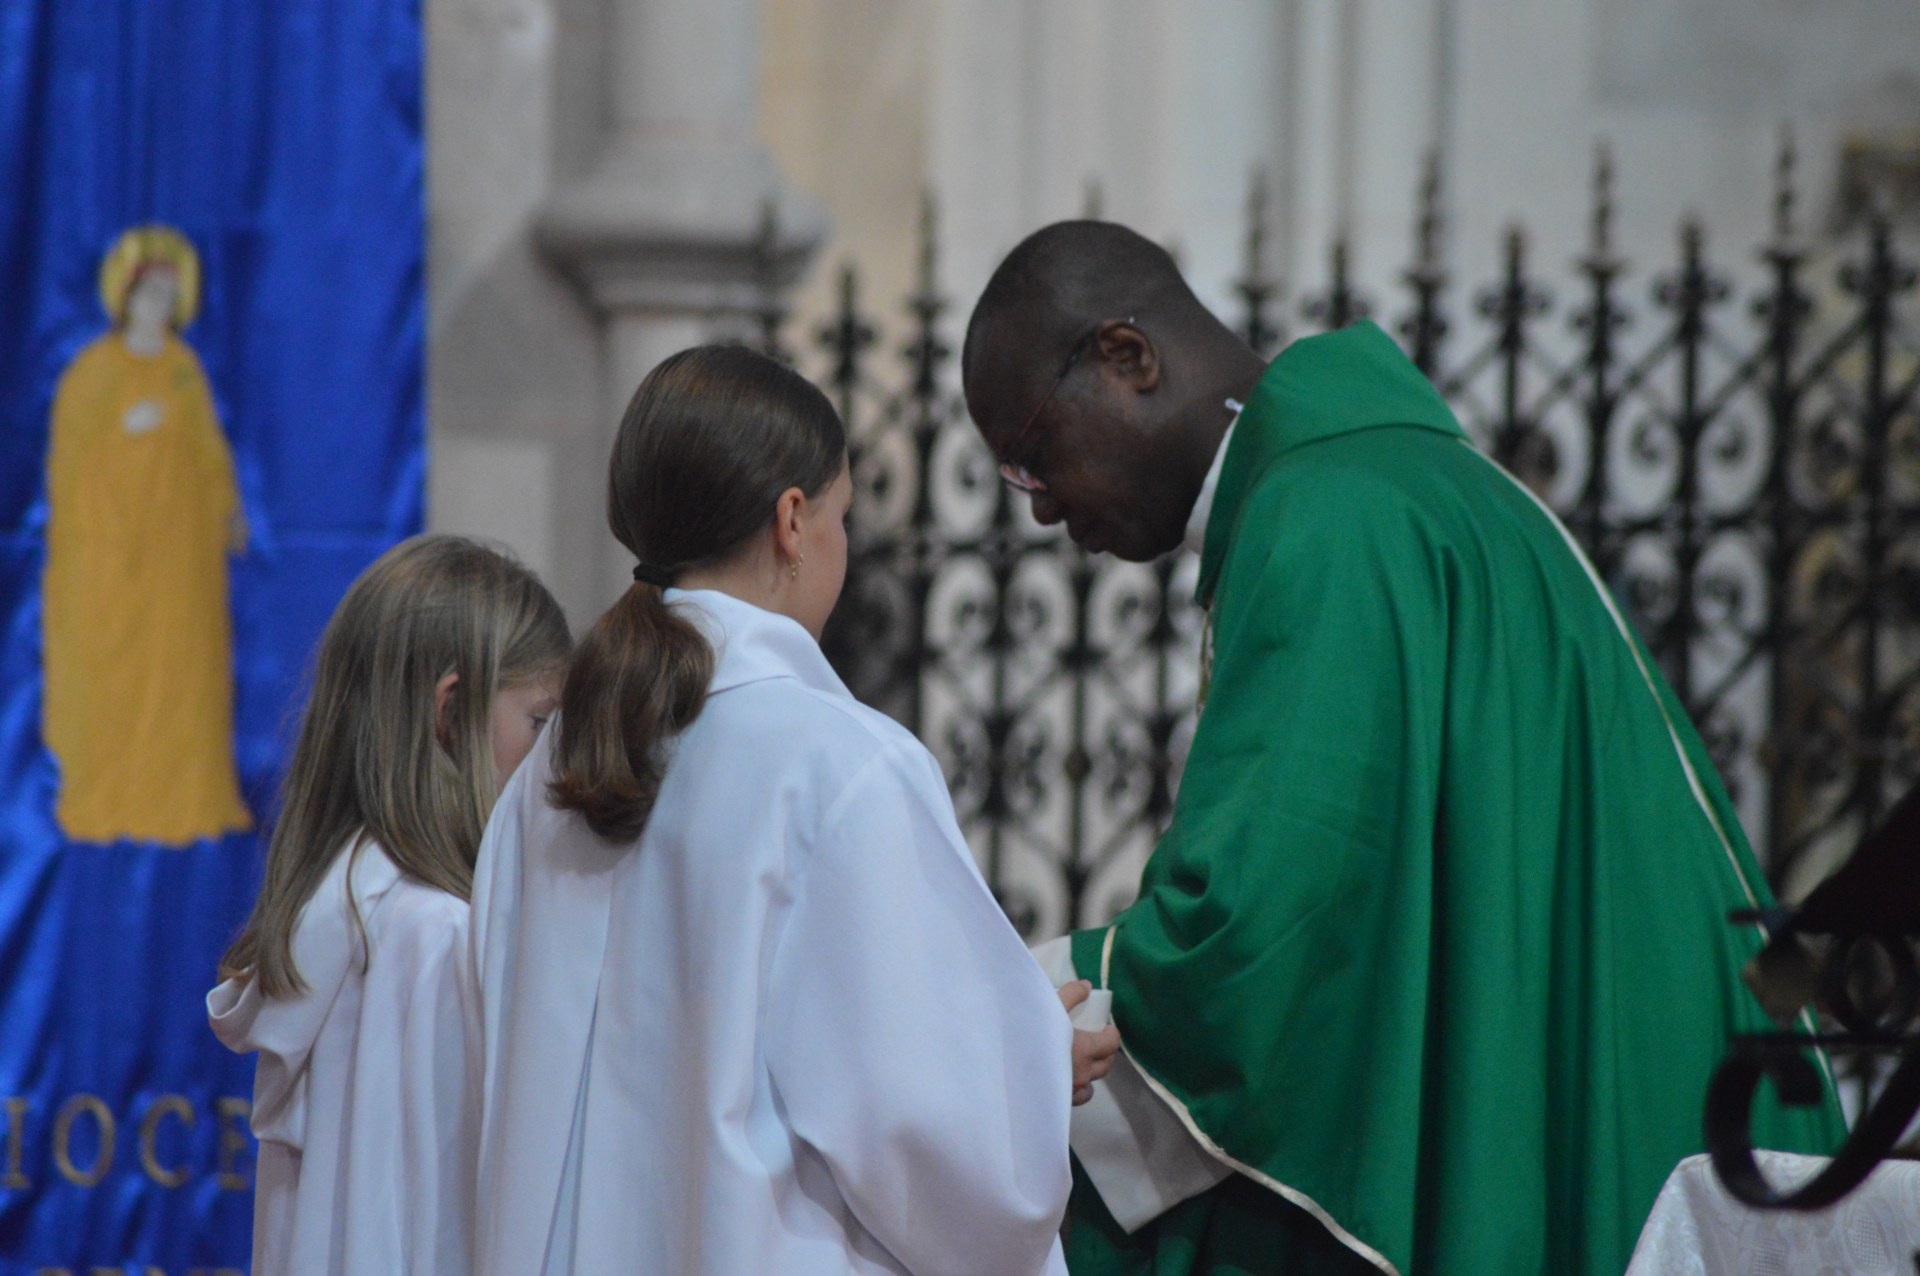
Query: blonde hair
[
  {"x": 139, "y": 248},
  {"x": 370, "y": 763}
]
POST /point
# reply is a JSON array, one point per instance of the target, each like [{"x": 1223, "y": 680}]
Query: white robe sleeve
[
  {"x": 413, "y": 1090},
  {"x": 425, "y": 991},
  {"x": 364, "y": 1100},
  {"x": 913, "y": 1042}
]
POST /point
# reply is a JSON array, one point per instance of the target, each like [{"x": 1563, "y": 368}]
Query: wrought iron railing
[
  {"x": 1740, "y": 456},
  {"x": 1851, "y": 954}
]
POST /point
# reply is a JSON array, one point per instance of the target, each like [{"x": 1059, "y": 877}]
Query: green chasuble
[{"x": 1436, "y": 948}]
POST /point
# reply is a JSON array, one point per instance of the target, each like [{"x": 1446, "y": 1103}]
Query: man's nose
[{"x": 1046, "y": 510}]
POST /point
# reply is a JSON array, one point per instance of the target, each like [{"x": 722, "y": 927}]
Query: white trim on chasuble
[{"x": 1686, "y": 763}]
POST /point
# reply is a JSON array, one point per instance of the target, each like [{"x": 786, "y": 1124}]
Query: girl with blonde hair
[{"x": 349, "y": 980}]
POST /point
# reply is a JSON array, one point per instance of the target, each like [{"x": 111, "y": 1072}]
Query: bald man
[{"x": 1430, "y": 970}]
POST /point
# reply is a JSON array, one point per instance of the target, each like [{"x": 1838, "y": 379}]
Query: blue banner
[{"x": 211, "y": 418}]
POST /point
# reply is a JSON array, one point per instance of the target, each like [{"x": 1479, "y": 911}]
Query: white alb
[
  {"x": 361, "y": 1098},
  {"x": 788, "y": 1030}
]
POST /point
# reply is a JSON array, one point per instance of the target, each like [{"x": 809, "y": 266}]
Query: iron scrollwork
[
  {"x": 1745, "y": 476},
  {"x": 1848, "y": 954}
]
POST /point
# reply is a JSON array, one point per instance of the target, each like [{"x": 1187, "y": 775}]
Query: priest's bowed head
[{"x": 1099, "y": 382}]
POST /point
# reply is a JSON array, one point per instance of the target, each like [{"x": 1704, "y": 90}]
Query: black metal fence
[{"x": 1743, "y": 465}]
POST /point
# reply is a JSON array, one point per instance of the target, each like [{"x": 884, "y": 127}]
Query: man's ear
[
  {"x": 1128, "y": 353},
  {"x": 442, "y": 704}
]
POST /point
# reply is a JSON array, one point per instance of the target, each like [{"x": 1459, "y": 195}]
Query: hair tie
[{"x": 648, "y": 574}]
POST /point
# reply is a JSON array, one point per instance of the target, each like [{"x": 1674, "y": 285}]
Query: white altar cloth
[{"x": 1696, "y": 1229}]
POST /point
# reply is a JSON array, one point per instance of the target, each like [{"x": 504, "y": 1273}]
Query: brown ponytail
[{"x": 712, "y": 437}]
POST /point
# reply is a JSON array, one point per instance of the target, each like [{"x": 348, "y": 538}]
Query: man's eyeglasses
[{"x": 1017, "y": 476}]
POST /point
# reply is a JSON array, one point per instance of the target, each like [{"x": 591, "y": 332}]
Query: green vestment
[{"x": 1436, "y": 948}]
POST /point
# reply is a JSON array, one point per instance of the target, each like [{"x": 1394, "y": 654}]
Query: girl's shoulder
[
  {"x": 397, "y": 910},
  {"x": 786, "y": 723}
]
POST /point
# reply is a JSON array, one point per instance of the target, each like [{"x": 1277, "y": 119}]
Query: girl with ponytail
[{"x": 746, "y": 1003}]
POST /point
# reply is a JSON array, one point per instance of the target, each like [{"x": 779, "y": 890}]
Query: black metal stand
[{"x": 1866, "y": 918}]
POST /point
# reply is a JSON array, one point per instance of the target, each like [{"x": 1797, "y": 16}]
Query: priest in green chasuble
[{"x": 1431, "y": 968}]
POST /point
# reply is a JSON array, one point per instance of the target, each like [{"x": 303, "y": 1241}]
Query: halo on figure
[{"x": 139, "y": 248}]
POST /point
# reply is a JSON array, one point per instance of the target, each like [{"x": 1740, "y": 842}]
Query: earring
[{"x": 798, "y": 563}]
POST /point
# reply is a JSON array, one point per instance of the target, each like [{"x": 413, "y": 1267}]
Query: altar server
[
  {"x": 746, "y": 1004},
  {"x": 350, "y": 980}
]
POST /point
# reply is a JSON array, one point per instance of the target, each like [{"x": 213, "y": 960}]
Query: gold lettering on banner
[
  {"x": 70, "y": 1111},
  {"x": 233, "y": 1141},
  {"x": 166, "y": 1105},
  {"x": 145, "y": 1271},
  {"x": 149, "y": 1271},
  {"x": 16, "y": 1180}
]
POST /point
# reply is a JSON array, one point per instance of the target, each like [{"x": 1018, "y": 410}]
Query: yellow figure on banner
[{"x": 143, "y": 511}]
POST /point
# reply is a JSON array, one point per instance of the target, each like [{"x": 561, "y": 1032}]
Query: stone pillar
[{"x": 682, "y": 224}]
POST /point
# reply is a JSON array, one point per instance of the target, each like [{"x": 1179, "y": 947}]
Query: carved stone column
[{"x": 683, "y": 224}]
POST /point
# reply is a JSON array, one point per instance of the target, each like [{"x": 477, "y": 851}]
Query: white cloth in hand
[
  {"x": 1135, "y": 1149},
  {"x": 1093, "y": 1014}
]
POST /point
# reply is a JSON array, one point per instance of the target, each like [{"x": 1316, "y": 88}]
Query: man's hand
[{"x": 1093, "y": 1052}]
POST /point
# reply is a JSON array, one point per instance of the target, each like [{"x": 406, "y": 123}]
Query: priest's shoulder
[{"x": 1366, "y": 486}]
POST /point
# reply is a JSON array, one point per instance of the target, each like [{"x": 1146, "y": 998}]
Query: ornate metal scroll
[
  {"x": 1737, "y": 448},
  {"x": 1849, "y": 953}
]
